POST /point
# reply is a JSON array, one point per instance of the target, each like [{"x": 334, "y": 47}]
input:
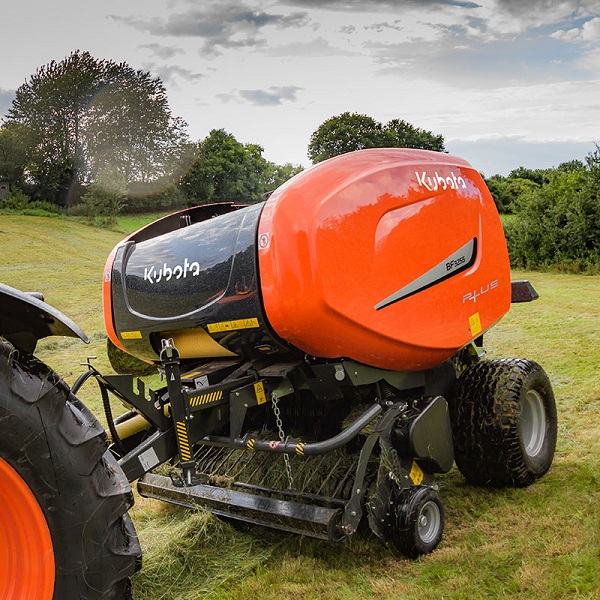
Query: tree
[
  {"x": 278, "y": 174},
  {"x": 14, "y": 145},
  {"x": 227, "y": 170},
  {"x": 404, "y": 135},
  {"x": 83, "y": 115},
  {"x": 351, "y": 131},
  {"x": 345, "y": 133}
]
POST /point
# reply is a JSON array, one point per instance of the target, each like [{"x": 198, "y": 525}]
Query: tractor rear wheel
[
  {"x": 504, "y": 423},
  {"x": 64, "y": 525}
]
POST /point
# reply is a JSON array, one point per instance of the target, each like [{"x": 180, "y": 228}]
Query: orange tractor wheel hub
[{"x": 26, "y": 555}]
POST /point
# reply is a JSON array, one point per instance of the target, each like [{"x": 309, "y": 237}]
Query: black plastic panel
[{"x": 200, "y": 274}]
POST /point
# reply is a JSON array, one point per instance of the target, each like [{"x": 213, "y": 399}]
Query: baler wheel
[
  {"x": 504, "y": 423},
  {"x": 64, "y": 525},
  {"x": 417, "y": 520}
]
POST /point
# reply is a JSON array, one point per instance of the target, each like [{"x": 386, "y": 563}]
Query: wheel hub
[
  {"x": 429, "y": 522},
  {"x": 533, "y": 423},
  {"x": 26, "y": 555}
]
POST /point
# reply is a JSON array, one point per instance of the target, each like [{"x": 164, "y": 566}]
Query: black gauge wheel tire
[{"x": 417, "y": 520}]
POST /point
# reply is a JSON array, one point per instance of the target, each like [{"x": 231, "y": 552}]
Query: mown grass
[{"x": 539, "y": 542}]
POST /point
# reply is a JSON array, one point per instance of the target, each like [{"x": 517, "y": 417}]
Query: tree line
[
  {"x": 553, "y": 215},
  {"x": 95, "y": 137}
]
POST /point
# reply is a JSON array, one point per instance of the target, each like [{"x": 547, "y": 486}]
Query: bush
[
  {"x": 19, "y": 201},
  {"x": 143, "y": 198},
  {"x": 103, "y": 200},
  {"x": 558, "y": 225}
]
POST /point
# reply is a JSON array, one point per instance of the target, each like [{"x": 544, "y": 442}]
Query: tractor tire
[
  {"x": 417, "y": 521},
  {"x": 504, "y": 423},
  {"x": 64, "y": 524}
]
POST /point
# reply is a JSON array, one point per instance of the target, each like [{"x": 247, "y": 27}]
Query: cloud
[
  {"x": 315, "y": 48},
  {"x": 220, "y": 25},
  {"x": 376, "y": 5},
  {"x": 173, "y": 73},
  {"x": 164, "y": 52},
  {"x": 274, "y": 96},
  {"x": 588, "y": 33},
  {"x": 6, "y": 100}
]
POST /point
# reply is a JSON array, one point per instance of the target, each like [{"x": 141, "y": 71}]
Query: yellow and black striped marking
[
  {"x": 250, "y": 444},
  {"x": 206, "y": 398},
  {"x": 184, "y": 443},
  {"x": 300, "y": 448}
]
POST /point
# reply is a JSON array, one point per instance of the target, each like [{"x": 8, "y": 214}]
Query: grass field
[{"x": 540, "y": 542}]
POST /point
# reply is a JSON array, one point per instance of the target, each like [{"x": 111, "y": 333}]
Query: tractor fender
[{"x": 25, "y": 319}]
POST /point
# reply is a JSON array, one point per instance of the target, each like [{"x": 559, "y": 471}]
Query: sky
[{"x": 508, "y": 83}]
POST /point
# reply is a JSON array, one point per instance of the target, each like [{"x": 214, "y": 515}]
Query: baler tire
[
  {"x": 76, "y": 539},
  {"x": 504, "y": 423},
  {"x": 418, "y": 518}
]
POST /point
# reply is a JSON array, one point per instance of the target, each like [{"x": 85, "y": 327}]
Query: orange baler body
[{"x": 395, "y": 258}]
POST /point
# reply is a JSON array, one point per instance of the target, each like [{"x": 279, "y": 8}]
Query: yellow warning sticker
[
  {"x": 475, "y": 324},
  {"x": 416, "y": 474},
  {"x": 232, "y": 325},
  {"x": 259, "y": 390},
  {"x": 131, "y": 335}
]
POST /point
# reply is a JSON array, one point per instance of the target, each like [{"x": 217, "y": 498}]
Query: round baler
[{"x": 342, "y": 320}]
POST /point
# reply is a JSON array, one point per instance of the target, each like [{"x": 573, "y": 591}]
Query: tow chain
[{"x": 282, "y": 438}]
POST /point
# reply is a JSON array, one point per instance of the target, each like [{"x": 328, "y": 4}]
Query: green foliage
[
  {"x": 75, "y": 118},
  {"x": 352, "y": 131},
  {"x": 278, "y": 174},
  {"x": 537, "y": 176},
  {"x": 151, "y": 197},
  {"x": 345, "y": 133},
  {"x": 401, "y": 134},
  {"x": 104, "y": 199},
  {"x": 14, "y": 143},
  {"x": 18, "y": 202},
  {"x": 227, "y": 170},
  {"x": 558, "y": 223}
]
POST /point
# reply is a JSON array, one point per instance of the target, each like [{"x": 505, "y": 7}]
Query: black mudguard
[{"x": 25, "y": 319}]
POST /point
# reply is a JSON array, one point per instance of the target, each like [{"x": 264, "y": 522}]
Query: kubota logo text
[
  {"x": 437, "y": 182},
  {"x": 154, "y": 275}
]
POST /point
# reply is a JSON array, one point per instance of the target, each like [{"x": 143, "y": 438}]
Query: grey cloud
[
  {"x": 374, "y": 5},
  {"x": 457, "y": 62},
  {"x": 379, "y": 27},
  {"x": 519, "y": 7},
  {"x": 230, "y": 25},
  {"x": 161, "y": 51},
  {"x": 274, "y": 96},
  {"x": 316, "y": 48},
  {"x": 173, "y": 73}
]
